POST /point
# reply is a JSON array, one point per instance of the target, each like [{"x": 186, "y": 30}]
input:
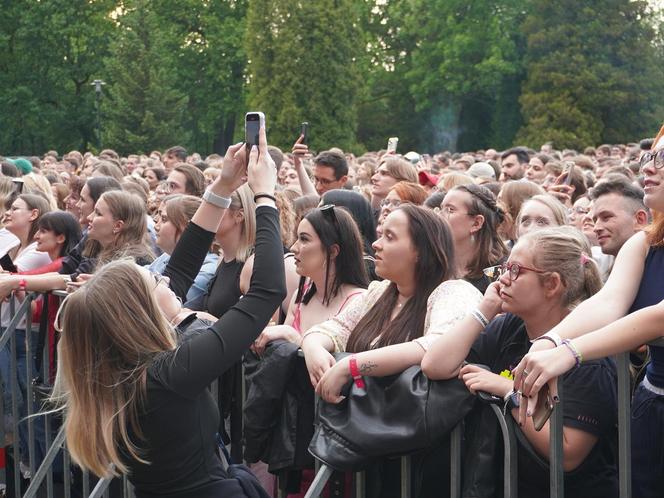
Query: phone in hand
[
  {"x": 252, "y": 124},
  {"x": 570, "y": 173},
  {"x": 392, "y": 144},
  {"x": 304, "y": 132},
  {"x": 543, "y": 409}
]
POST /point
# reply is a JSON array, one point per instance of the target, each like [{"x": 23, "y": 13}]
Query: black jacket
[{"x": 279, "y": 409}]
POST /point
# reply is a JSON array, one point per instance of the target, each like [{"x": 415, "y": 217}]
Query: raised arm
[
  {"x": 300, "y": 150},
  {"x": 207, "y": 356},
  {"x": 192, "y": 248}
]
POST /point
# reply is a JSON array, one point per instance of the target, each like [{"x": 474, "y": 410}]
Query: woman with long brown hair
[
  {"x": 158, "y": 421},
  {"x": 395, "y": 322}
]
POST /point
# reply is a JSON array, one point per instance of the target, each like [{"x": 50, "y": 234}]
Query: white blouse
[{"x": 449, "y": 303}]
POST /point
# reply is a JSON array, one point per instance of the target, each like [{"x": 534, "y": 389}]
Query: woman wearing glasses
[
  {"x": 635, "y": 283},
  {"x": 401, "y": 193},
  {"x": 474, "y": 217},
  {"x": 328, "y": 258},
  {"x": 547, "y": 274}
]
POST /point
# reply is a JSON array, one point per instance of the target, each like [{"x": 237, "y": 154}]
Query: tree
[
  {"x": 304, "y": 65},
  {"x": 143, "y": 110},
  {"x": 49, "y": 53},
  {"x": 593, "y": 75},
  {"x": 205, "y": 42}
]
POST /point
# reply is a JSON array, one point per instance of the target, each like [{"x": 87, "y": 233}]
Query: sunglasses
[{"x": 512, "y": 269}]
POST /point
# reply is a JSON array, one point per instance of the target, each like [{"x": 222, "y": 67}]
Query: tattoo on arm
[{"x": 367, "y": 368}]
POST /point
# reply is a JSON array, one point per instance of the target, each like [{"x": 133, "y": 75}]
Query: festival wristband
[{"x": 355, "y": 372}]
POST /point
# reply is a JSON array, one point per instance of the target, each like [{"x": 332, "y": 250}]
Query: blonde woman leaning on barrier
[
  {"x": 635, "y": 283},
  {"x": 547, "y": 274},
  {"x": 157, "y": 421}
]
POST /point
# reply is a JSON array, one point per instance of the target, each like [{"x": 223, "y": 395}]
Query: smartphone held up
[
  {"x": 392, "y": 144},
  {"x": 252, "y": 125}
]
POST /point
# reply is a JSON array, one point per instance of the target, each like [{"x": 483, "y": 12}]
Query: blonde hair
[
  {"x": 132, "y": 238},
  {"x": 286, "y": 218},
  {"x": 450, "y": 180},
  {"x": 565, "y": 251},
  {"x": 557, "y": 208},
  {"x": 180, "y": 209},
  {"x": 6, "y": 195},
  {"x": 111, "y": 331},
  {"x": 243, "y": 199},
  {"x": 36, "y": 183}
]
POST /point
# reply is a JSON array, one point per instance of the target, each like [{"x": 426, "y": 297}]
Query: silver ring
[{"x": 526, "y": 373}]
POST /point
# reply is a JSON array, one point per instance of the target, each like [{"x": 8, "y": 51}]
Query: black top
[
  {"x": 589, "y": 404},
  {"x": 651, "y": 292},
  {"x": 223, "y": 289},
  {"x": 180, "y": 418}
]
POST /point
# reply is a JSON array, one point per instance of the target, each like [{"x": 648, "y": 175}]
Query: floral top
[{"x": 449, "y": 303}]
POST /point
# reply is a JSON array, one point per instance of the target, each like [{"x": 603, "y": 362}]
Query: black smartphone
[
  {"x": 18, "y": 185},
  {"x": 252, "y": 124},
  {"x": 304, "y": 132}
]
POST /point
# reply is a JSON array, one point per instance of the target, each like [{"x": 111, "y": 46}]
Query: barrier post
[
  {"x": 557, "y": 475},
  {"x": 624, "y": 426},
  {"x": 405, "y": 477},
  {"x": 455, "y": 461}
]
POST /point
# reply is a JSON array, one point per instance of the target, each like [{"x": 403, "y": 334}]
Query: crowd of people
[{"x": 505, "y": 270}]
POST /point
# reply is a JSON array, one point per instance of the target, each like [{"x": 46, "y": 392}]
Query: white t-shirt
[
  {"x": 8, "y": 241},
  {"x": 28, "y": 259}
]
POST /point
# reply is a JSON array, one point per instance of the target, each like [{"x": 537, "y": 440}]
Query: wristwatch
[{"x": 216, "y": 200}]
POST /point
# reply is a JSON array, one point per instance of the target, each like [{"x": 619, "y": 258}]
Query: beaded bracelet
[{"x": 578, "y": 357}]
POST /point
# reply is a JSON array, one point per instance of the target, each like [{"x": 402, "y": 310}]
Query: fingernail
[
  {"x": 253, "y": 148},
  {"x": 529, "y": 413},
  {"x": 556, "y": 399}
]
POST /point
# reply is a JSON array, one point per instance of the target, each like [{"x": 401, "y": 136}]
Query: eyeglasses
[
  {"x": 656, "y": 157},
  {"x": 513, "y": 269},
  {"x": 390, "y": 203}
]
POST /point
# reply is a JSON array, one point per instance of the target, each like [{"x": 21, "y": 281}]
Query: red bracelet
[
  {"x": 355, "y": 373},
  {"x": 22, "y": 284}
]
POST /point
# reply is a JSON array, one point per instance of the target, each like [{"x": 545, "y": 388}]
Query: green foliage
[
  {"x": 143, "y": 109},
  {"x": 593, "y": 75},
  {"x": 49, "y": 54},
  {"x": 438, "y": 74},
  {"x": 305, "y": 61}
]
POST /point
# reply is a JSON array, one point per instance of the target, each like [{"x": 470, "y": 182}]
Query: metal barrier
[{"x": 42, "y": 475}]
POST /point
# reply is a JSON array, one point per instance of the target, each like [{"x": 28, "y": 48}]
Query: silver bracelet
[
  {"x": 216, "y": 200},
  {"x": 550, "y": 336},
  {"x": 479, "y": 316}
]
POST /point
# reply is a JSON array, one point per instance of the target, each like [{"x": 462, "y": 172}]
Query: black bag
[{"x": 392, "y": 416}]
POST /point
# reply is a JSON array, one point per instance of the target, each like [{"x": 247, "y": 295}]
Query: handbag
[{"x": 392, "y": 416}]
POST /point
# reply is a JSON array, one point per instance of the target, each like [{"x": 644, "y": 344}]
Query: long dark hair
[
  {"x": 62, "y": 223},
  {"x": 358, "y": 206},
  {"x": 490, "y": 247},
  {"x": 432, "y": 238},
  {"x": 334, "y": 226}
]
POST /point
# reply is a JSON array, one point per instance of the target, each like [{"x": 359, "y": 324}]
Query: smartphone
[
  {"x": 18, "y": 185},
  {"x": 252, "y": 124},
  {"x": 570, "y": 172},
  {"x": 392, "y": 144},
  {"x": 543, "y": 409},
  {"x": 304, "y": 132}
]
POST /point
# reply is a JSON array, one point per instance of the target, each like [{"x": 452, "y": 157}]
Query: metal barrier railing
[{"x": 42, "y": 475}]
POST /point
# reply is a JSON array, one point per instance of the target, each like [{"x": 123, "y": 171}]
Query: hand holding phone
[{"x": 543, "y": 409}]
